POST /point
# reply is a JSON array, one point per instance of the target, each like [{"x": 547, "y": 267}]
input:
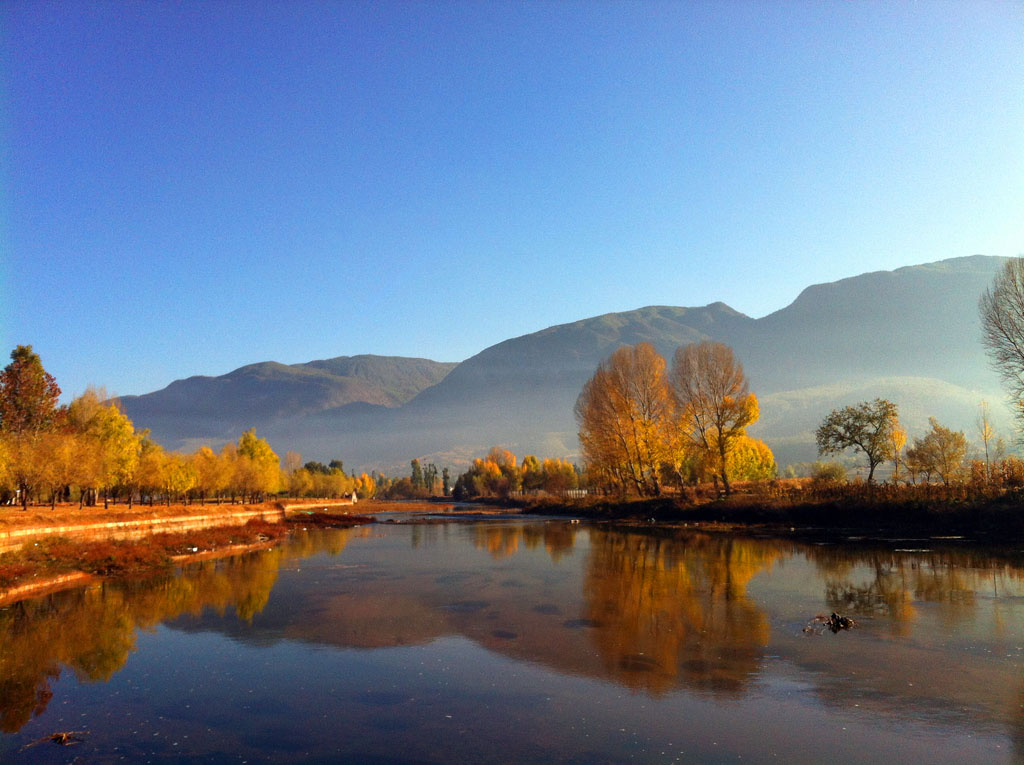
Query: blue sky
[{"x": 189, "y": 187}]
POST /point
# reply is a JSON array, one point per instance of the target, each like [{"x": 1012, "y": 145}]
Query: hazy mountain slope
[
  {"x": 911, "y": 335},
  {"x": 398, "y": 378},
  {"x": 789, "y": 418},
  {"x": 565, "y": 355},
  {"x": 919, "y": 321},
  {"x": 257, "y": 394}
]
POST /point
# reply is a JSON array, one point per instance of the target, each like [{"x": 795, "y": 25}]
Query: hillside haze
[
  {"x": 912, "y": 335},
  {"x": 200, "y": 409}
]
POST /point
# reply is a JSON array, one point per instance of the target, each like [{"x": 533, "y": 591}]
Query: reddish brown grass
[{"x": 55, "y": 555}]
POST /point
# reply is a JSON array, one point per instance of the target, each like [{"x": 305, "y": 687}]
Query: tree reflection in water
[
  {"x": 92, "y": 630},
  {"x": 674, "y": 610},
  {"x": 653, "y": 610}
]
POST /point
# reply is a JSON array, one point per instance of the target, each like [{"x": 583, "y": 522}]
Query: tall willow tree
[{"x": 624, "y": 413}]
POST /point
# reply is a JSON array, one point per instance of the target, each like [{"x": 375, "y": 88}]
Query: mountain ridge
[{"x": 917, "y": 324}]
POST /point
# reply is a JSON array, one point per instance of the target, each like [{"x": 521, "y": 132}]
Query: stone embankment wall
[{"x": 136, "y": 528}]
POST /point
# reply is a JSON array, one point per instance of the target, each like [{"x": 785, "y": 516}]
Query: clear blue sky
[{"x": 189, "y": 187}]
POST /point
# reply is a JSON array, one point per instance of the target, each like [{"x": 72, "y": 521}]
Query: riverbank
[
  {"x": 44, "y": 549},
  {"x": 985, "y": 518}
]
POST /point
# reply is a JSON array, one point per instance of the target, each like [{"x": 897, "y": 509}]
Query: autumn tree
[
  {"x": 940, "y": 451},
  {"x": 713, "y": 400},
  {"x": 365, "y": 486},
  {"x": 179, "y": 475},
  {"x": 111, "y": 437},
  {"x": 28, "y": 395},
  {"x": 1002, "y": 319},
  {"x": 532, "y": 473},
  {"x": 28, "y": 408},
  {"x": 149, "y": 476},
  {"x": 5, "y": 470},
  {"x": 558, "y": 476},
  {"x": 71, "y": 461},
  {"x": 751, "y": 460},
  {"x": 29, "y": 465},
  {"x": 897, "y": 440},
  {"x": 258, "y": 469},
  {"x": 212, "y": 473},
  {"x": 625, "y": 418},
  {"x": 986, "y": 433},
  {"x": 866, "y": 427}
]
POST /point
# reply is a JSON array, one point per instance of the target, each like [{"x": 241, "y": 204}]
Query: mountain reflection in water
[{"x": 657, "y": 612}]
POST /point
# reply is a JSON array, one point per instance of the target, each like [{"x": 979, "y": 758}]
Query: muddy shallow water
[{"x": 529, "y": 640}]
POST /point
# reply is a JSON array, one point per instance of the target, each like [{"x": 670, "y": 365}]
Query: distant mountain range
[
  {"x": 213, "y": 409},
  {"x": 911, "y": 335}
]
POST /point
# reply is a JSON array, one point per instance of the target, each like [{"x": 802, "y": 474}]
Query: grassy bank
[{"x": 54, "y": 558}]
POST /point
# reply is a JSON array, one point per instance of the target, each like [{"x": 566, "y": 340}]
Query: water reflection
[
  {"x": 894, "y": 585},
  {"x": 652, "y": 611},
  {"x": 675, "y": 610},
  {"x": 92, "y": 631}
]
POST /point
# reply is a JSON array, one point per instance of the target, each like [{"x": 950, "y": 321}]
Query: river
[{"x": 517, "y": 640}]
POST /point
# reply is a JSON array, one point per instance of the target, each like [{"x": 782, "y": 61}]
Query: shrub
[{"x": 830, "y": 472}]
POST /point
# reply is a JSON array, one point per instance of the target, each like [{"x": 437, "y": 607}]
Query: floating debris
[
  {"x": 63, "y": 738},
  {"x": 833, "y": 623}
]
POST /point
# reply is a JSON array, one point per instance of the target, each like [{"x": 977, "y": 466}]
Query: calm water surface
[{"x": 513, "y": 641}]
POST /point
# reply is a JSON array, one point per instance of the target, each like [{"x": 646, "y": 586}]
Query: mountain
[
  {"x": 216, "y": 408},
  {"x": 917, "y": 321},
  {"x": 912, "y": 335}
]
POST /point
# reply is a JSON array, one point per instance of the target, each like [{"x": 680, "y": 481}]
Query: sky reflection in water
[{"x": 527, "y": 641}]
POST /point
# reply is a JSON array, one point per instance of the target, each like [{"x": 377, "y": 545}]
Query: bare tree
[{"x": 1002, "y": 319}]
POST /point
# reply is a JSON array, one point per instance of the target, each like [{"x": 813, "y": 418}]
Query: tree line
[
  {"x": 940, "y": 454},
  {"x": 499, "y": 474},
  {"x": 89, "y": 450}
]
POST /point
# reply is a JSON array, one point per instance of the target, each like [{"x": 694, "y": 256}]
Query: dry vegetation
[
  {"x": 803, "y": 505},
  {"x": 52, "y": 556}
]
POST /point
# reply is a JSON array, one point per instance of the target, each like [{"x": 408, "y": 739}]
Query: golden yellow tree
[
  {"x": 112, "y": 438},
  {"x": 211, "y": 473},
  {"x": 70, "y": 457},
  {"x": 625, "y": 418},
  {"x": 559, "y": 476},
  {"x": 300, "y": 482},
  {"x": 751, "y": 460},
  {"x": 149, "y": 476},
  {"x": 365, "y": 487},
  {"x": 5, "y": 469},
  {"x": 897, "y": 436},
  {"x": 179, "y": 474},
  {"x": 713, "y": 399},
  {"x": 258, "y": 468}
]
